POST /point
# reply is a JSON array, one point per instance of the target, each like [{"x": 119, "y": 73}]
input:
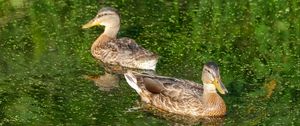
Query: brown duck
[
  {"x": 180, "y": 96},
  {"x": 117, "y": 54}
]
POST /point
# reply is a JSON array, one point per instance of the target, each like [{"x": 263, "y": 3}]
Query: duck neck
[
  {"x": 209, "y": 88},
  {"x": 111, "y": 31},
  {"x": 213, "y": 102}
]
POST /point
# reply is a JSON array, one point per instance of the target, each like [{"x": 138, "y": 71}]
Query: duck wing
[
  {"x": 175, "y": 89},
  {"x": 126, "y": 52}
]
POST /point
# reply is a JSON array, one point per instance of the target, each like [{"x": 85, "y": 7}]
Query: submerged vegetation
[{"x": 45, "y": 54}]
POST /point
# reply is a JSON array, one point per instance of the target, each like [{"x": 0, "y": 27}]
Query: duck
[
  {"x": 117, "y": 55},
  {"x": 180, "y": 96}
]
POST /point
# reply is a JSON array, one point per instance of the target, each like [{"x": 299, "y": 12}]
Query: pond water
[{"x": 45, "y": 54}]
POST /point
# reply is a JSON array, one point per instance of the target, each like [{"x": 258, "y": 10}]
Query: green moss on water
[{"x": 45, "y": 53}]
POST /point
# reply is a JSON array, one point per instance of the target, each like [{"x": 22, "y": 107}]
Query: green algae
[{"x": 45, "y": 53}]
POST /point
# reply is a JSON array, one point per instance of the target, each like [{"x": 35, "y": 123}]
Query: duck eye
[
  {"x": 103, "y": 14},
  {"x": 207, "y": 70}
]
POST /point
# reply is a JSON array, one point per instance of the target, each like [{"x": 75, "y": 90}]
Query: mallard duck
[
  {"x": 179, "y": 96},
  {"x": 117, "y": 54}
]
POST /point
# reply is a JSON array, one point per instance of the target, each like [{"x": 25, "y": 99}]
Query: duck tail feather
[{"x": 132, "y": 81}]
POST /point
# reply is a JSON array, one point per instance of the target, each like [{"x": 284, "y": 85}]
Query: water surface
[{"x": 45, "y": 54}]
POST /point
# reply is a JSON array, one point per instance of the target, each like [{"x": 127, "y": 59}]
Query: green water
[{"x": 44, "y": 55}]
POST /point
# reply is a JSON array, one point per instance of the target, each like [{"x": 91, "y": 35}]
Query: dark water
[{"x": 45, "y": 54}]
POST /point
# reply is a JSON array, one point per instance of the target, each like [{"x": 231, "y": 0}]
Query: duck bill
[
  {"x": 220, "y": 86},
  {"x": 93, "y": 22}
]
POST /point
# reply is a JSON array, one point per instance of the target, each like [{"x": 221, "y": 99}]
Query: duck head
[
  {"x": 107, "y": 17},
  {"x": 211, "y": 75}
]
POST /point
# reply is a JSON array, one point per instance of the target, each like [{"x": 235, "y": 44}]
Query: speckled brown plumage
[
  {"x": 117, "y": 55},
  {"x": 180, "y": 120},
  {"x": 123, "y": 53},
  {"x": 178, "y": 96}
]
